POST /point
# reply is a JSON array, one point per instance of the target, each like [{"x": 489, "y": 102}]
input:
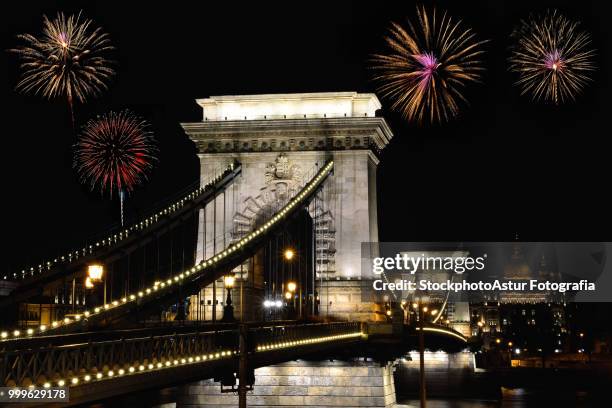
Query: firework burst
[
  {"x": 427, "y": 66},
  {"x": 67, "y": 60},
  {"x": 552, "y": 57},
  {"x": 114, "y": 152}
]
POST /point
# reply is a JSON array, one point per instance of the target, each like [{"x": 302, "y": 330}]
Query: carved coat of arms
[{"x": 282, "y": 170}]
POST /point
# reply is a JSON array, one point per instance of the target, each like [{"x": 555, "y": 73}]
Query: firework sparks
[
  {"x": 552, "y": 58},
  {"x": 115, "y": 152},
  {"x": 427, "y": 66},
  {"x": 67, "y": 59}
]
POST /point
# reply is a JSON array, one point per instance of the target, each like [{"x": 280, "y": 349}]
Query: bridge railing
[
  {"x": 85, "y": 362},
  {"x": 82, "y": 363}
]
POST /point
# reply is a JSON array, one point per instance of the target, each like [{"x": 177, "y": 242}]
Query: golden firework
[
  {"x": 427, "y": 65},
  {"x": 68, "y": 59},
  {"x": 552, "y": 57}
]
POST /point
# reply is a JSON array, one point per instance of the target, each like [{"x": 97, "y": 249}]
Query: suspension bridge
[{"x": 255, "y": 266}]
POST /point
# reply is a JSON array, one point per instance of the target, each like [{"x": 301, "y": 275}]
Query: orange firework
[{"x": 427, "y": 66}]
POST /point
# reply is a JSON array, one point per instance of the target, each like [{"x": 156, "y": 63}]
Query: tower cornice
[{"x": 307, "y": 134}]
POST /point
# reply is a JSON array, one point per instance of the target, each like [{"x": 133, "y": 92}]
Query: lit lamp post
[
  {"x": 289, "y": 254},
  {"x": 291, "y": 286},
  {"x": 228, "y": 310},
  {"x": 421, "y": 311},
  {"x": 510, "y": 344},
  {"x": 290, "y": 297},
  {"x": 480, "y": 325},
  {"x": 95, "y": 273}
]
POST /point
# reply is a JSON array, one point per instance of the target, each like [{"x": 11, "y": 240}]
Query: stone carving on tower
[
  {"x": 282, "y": 170},
  {"x": 283, "y": 179}
]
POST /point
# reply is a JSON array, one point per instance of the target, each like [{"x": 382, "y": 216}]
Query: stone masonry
[
  {"x": 302, "y": 383},
  {"x": 280, "y": 140}
]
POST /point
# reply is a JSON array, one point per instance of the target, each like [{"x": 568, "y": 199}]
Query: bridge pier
[
  {"x": 447, "y": 375},
  {"x": 301, "y": 383}
]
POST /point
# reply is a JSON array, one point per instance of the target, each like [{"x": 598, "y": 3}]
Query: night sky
[{"x": 506, "y": 166}]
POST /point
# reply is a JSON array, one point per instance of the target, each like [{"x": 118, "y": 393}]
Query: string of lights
[
  {"x": 163, "y": 363},
  {"x": 443, "y": 331},
  {"x": 121, "y": 235},
  {"x": 314, "y": 340},
  {"x": 168, "y": 285},
  {"x": 139, "y": 368}
]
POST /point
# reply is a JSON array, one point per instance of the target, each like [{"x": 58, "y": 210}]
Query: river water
[{"x": 518, "y": 398}]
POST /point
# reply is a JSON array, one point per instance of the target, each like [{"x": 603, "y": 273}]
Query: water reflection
[{"x": 516, "y": 398}]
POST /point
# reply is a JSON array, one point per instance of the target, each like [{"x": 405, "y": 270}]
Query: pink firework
[
  {"x": 429, "y": 64},
  {"x": 553, "y": 60}
]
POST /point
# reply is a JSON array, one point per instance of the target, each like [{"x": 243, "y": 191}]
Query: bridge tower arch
[{"x": 280, "y": 139}]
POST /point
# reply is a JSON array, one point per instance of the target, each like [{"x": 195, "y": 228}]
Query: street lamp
[
  {"x": 405, "y": 310},
  {"x": 289, "y": 295},
  {"x": 291, "y": 286},
  {"x": 95, "y": 273},
  {"x": 421, "y": 310},
  {"x": 229, "y": 281},
  {"x": 289, "y": 254},
  {"x": 228, "y": 310}
]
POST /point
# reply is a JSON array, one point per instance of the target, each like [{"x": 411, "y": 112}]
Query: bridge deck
[{"x": 96, "y": 370}]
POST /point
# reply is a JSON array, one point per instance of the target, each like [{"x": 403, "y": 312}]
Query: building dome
[{"x": 517, "y": 268}]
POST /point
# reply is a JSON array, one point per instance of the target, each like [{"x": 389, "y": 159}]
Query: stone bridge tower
[{"x": 280, "y": 139}]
